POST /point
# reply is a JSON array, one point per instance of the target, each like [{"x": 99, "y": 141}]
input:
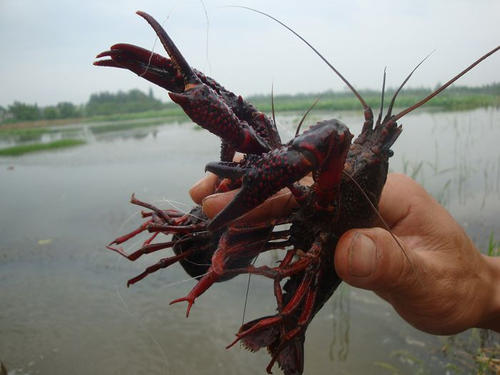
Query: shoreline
[{"x": 329, "y": 101}]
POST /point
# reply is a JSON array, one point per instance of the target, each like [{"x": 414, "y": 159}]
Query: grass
[
  {"x": 474, "y": 352},
  {"x": 328, "y": 101},
  {"x": 477, "y": 351},
  {"x": 345, "y": 101},
  {"x": 458, "y": 98},
  {"x": 22, "y": 134},
  {"x": 27, "y": 134},
  {"x": 36, "y": 147},
  {"x": 119, "y": 126},
  {"x": 168, "y": 114},
  {"x": 493, "y": 246}
]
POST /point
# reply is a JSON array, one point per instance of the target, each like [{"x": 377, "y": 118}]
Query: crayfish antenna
[
  {"x": 379, "y": 118},
  {"x": 272, "y": 104},
  {"x": 443, "y": 87},
  {"x": 393, "y": 100},
  {"x": 305, "y": 115},
  {"x": 366, "y": 108}
]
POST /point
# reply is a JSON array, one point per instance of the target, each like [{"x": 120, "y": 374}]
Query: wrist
[{"x": 491, "y": 317}]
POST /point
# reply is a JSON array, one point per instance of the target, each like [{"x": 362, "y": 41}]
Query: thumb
[{"x": 372, "y": 259}]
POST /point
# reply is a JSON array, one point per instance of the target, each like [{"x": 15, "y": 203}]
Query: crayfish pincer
[{"x": 348, "y": 179}]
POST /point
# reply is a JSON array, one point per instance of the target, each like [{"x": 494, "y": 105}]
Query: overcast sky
[{"x": 47, "y": 47}]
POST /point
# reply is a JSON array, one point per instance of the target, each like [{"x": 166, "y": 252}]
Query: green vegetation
[
  {"x": 35, "y": 147},
  {"x": 135, "y": 104},
  {"x": 169, "y": 114},
  {"x": 493, "y": 246},
  {"x": 455, "y": 98},
  {"x": 101, "y": 104},
  {"x": 18, "y": 111},
  {"x": 477, "y": 351},
  {"x": 133, "y": 101},
  {"x": 22, "y": 135},
  {"x": 119, "y": 126}
]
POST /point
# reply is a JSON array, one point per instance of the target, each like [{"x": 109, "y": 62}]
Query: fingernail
[{"x": 362, "y": 256}]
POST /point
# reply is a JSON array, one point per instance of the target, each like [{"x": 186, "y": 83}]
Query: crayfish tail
[
  {"x": 290, "y": 357},
  {"x": 260, "y": 338}
]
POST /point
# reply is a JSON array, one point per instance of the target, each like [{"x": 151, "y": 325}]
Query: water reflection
[
  {"x": 65, "y": 307},
  {"x": 340, "y": 315}
]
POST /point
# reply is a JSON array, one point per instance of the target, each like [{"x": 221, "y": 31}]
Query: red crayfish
[{"x": 348, "y": 180}]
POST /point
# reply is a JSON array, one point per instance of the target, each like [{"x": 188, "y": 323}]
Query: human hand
[
  {"x": 279, "y": 205},
  {"x": 440, "y": 284},
  {"x": 443, "y": 285}
]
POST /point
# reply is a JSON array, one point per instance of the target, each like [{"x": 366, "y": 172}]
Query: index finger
[
  {"x": 203, "y": 188},
  {"x": 277, "y": 206}
]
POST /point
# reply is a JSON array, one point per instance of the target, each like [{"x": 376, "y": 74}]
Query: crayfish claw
[
  {"x": 223, "y": 169},
  {"x": 108, "y": 63},
  {"x": 102, "y": 54},
  {"x": 205, "y": 107},
  {"x": 178, "y": 60}
]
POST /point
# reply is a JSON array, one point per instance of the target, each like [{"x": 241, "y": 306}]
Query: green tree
[
  {"x": 67, "y": 110},
  {"x": 24, "y": 112},
  {"x": 50, "y": 113},
  {"x": 3, "y": 113},
  {"x": 122, "y": 102}
]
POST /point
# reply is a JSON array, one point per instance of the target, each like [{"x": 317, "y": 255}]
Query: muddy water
[{"x": 64, "y": 306}]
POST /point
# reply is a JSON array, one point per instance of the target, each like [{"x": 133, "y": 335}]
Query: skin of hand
[{"x": 440, "y": 283}]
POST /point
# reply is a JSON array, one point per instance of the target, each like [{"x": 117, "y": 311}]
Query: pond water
[{"x": 65, "y": 308}]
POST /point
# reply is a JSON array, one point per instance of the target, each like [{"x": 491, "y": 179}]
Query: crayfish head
[{"x": 323, "y": 143}]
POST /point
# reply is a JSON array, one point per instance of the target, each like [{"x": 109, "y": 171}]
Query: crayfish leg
[
  {"x": 302, "y": 323},
  {"x": 202, "y": 285},
  {"x": 290, "y": 307},
  {"x": 162, "y": 263},
  {"x": 146, "y": 249},
  {"x": 130, "y": 235}
]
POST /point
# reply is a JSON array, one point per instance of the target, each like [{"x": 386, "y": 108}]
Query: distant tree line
[
  {"x": 134, "y": 101},
  {"x": 122, "y": 102},
  {"x": 29, "y": 112},
  {"x": 490, "y": 89},
  {"x": 99, "y": 104}
]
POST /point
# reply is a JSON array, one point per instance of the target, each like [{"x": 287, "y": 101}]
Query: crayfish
[{"x": 348, "y": 179}]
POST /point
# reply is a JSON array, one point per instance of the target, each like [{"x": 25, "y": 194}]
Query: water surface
[{"x": 65, "y": 308}]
